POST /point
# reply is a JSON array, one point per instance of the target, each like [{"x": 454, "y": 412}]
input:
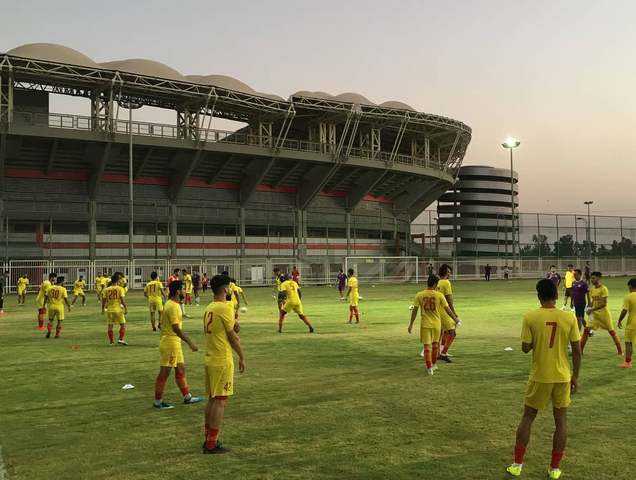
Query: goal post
[{"x": 384, "y": 269}]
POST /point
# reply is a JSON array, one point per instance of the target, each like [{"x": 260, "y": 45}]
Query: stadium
[{"x": 315, "y": 177}]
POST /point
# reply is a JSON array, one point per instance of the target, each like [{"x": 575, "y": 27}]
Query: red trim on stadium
[
  {"x": 211, "y": 246},
  {"x": 83, "y": 175}
]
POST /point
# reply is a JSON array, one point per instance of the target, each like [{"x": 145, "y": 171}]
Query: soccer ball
[
  {"x": 411, "y": 307},
  {"x": 243, "y": 309}
]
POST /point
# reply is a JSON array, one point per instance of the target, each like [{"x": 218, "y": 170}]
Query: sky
[{"x": 558, "y": 75}]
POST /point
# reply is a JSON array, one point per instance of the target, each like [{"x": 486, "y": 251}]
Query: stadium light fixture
[
  {"x": 511, "y": 143},
  {"x": 589, "y": 232}
]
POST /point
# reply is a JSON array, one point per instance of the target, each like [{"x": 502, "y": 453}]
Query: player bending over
[
  {"x": 599, "y": 310},
  {"x": 220, "y": 330},
  {"x": 171, "y": 353},
  {"x": 432, "y": 303},
  {"x": 547, "y": 332},
  {"x": 449, "y": 326},
  {"x": 154, "y": 292},
  {"x": 23, "y": 283},
  {"x": 114, "y": 305},
  {"x": 78, "y": 290},
  {"x": 292, "y": 303},
  {"x": 629, "y": 310},
  {"x": 41, "y": 299},
  {"x": 56, "y": 298},
  {"x": 353, "y": 295}
]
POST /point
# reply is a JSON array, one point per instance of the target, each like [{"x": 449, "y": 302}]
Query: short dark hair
[
  {"x": 578, "y": 270},
  {"x": 546, "y": 290},
  {"x": 218, "y": 282},
  {"x": 153, "y": 275},
  {"x": 52, "y": 275},
  {"x": 174, "y": 287},
  {"x": 597, "y": 274},
  {"x": 184, "y": 271},
  {"x": 350, "y": 271},
  {"x": 444, "y": 270},
  {"x": 570, "y": 265},
  {"x": 115, "y": 278},
  {"x": 176, "y": 270},
  {"x": 81, "y": 276},
  {"x": 432, "y": 280},
  {"x": 60, "y": 280},
  {"x": 632, "y": 283},
  {"x": 552, "y": 266}
]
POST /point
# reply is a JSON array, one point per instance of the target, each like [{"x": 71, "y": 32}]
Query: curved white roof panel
[
  {"x": 308, "y": 94},
  {"x": 350, "y": 97},
  {"x": 397, "y": 105},
  {"x": 53, "y": 53},
  {"x": 142, "y": 66},
  {"x": 223, "y": 81}
]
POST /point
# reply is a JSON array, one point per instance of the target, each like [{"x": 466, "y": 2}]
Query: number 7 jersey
[{"x": 550, "y": 331}]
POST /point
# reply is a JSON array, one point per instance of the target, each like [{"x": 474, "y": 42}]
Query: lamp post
[
  {"x": 587, "y": 229},
  {"x": 511, "y": 143},
  {"x": 589, "y": 233},
  {"x": 130, "y": 105}
]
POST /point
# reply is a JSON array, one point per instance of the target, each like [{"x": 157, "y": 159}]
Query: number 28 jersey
[
  {"x": 432, "y": 305},
  {"x": 550, "y": 330}
]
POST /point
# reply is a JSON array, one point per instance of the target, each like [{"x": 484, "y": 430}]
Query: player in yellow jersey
[
  {"x": 123, "y": 282},
  {"x": 353, "y": 294},
  {"x": 114, "y": 305},
  {"x": 293, "y": 303},
  {"x": 449, "y": 327},
  {"x": 188, "y": 288},
  {"x": 600, "y": 313},
  {"x": 629, "y": 311},
  {"x": 220, "y": 330},
  {"x": 235, "y": 295},
  {"x": 432, "y": 304},
  {"x": 171, "y": 353},
  {"x": 155, "y": 294},
  {"x": 99, "y": 286},
  {"x": 56, "y": 298},
  {"x": 23, "y": 283},
  {"x": 78, "y": 290},
  {"x": 569, "y": 280},
  {"x": 547, "y": 332},
  {"x": 41, "y": 298}
]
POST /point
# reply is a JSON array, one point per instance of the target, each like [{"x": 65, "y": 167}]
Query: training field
[{"x": 348, "y": 402}]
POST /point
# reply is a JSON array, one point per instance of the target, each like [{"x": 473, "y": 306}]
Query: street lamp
[
  {"x": 589, "y": 233},
  {"x": 511, "y": 143},
  {"x": 130, "y": 105}
]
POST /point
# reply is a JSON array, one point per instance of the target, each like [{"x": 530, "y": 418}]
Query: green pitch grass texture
[{"x": 348, "y": 402}]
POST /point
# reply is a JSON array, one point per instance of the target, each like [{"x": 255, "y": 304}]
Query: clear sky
[{"x": 559, "y": 75}]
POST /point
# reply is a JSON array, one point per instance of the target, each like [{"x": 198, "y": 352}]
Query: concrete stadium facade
[
  {"x": 476, "y": 213},
  {"x": 314, "y": 174}
]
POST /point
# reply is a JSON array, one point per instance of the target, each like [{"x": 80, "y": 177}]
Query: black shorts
[
  {"x": 568, "y": 292},
  {"x": 579, "y": 310},
  {"x": 282, "y": 296}
]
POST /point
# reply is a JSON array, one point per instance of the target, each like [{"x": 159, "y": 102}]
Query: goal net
[{"x": 383, "y": 269}]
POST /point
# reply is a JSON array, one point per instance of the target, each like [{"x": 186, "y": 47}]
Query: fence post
[{"x": 623, "y": 272}]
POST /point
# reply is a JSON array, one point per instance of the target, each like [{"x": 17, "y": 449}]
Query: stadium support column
[
  {"x": 92, "y": 229},
  {"x": 348, "y": 232},
  {"x": 173, "y": 230},
  {"x": 242, "y": 230},
  {"x": 3, "y": 220}
]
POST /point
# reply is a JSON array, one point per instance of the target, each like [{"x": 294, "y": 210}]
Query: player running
[
  {"x": 449, "y": 331},
  {"x": 171, "y": 353},
  {"x": 23, "y": 283},
  {"x": 353, "y": 295},
  {"x": 56, "y": 298},
  {"x": 629, "y": 311},
  {"x": 221, "y": 338},
  {"x": 292, "y": 303},
  {"x": 578, "y": 294},
  {"x": 569, "y": 280},
  {"x": 78, "y": 290},
  {"x": 432, "y": 303},
  {"x": 114, "y": 305},
  {"x": 547, "y": 332},
  {"x": 41, "y": 299},
  {"x": 599, "y": 310},
  {"x": 342, "y": 283},
  {"x": 155, "y": 294}
]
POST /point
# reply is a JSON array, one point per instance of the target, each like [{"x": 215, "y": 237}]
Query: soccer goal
[{"x": 384, "y": 269}]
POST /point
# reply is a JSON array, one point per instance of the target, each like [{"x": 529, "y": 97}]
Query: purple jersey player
[
  {"x": 553, "y": 276},
  {"x": 342, "y": 283}
]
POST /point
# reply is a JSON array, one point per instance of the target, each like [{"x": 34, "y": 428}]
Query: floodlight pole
[
  {"x": 589, "y": 233},
  {"x": 511, "y": 144},
  {"x": 131, "y": 245}
]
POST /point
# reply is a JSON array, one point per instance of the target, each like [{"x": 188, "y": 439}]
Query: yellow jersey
[
  {"x": 187, "y": 284},
  {"x": 23, "y": 283},
  {"x": 278, "y": 284},
  {"x": 598, "y": 293},
  {"x": 123, "y": 282},
  {"x": 154, "y": 290},
  {"x": 44, "y": 289},
  {"x": 114, "y": 295},
  {"x": 236, "y": 290},
  {"x": 569, "y": 279},
  {"x": 105, "y": 281},
  {"x": 291, "y": 289},
  {"x": 56, "y": 295},
  {"x": 218, "y": 320},
  {"x": 629, "y": 304},
  {"x": 432, "y": 305},
  {"x": 171, "y": 316},
  {"x": 78, "y": 287},
  {"x": 444, "y": 287},
  {"x": 352, "y": 283},
  {"x": 550, "y": 331}
]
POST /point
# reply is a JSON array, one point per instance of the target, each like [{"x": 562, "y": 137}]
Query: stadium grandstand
[{"x": 312, "y": 175}]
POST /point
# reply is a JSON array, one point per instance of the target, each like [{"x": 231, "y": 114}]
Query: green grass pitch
[{"x": 349, "y": 402}]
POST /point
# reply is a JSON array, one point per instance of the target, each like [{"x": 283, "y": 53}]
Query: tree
[
  {"x": 624, "y": 247},
  {"x": 538, "y": 248}
]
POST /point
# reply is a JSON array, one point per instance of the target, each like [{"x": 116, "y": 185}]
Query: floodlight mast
[{"x": 511, "y": 143}]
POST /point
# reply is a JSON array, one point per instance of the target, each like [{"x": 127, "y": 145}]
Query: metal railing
[{"x": 149, "y": 129}]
